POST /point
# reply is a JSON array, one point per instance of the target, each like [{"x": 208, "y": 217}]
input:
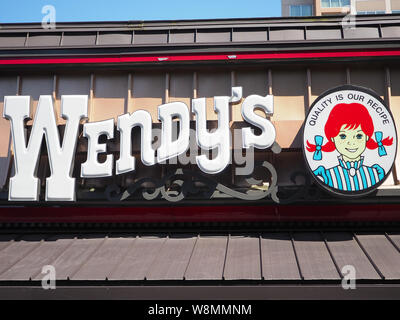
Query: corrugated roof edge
[
  {"x": 202, "y": 22},
  {"x": 193, "y": 34}
]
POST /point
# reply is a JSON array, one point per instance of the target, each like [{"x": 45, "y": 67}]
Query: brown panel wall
[
  {"x": 110, "y": 96},
  {"x": 71, "y": 84},
  {"x": 211, "y": 84},
  {"x": 148, "y": 92},
  {"x": 373, "y": 78},
  {"x": 8, "y": 86},
  {"x": 289, "y": 90},
  {"x": 252, "y": 82},
  {"x": 323, "y": 79},
  {"x": 181, "y": 88},
  {"x": 35, "y": 86}
]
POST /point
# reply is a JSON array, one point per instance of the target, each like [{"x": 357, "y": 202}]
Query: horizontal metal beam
[
  {"x": 257, "y": 292},
  {"x": 200, "y": 213}
]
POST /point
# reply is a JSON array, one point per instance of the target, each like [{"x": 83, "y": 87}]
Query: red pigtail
[
  {"x": 372, "y": 144},
  {"x": 327, "y": 147},
  {"x": 310, "y": 147}
]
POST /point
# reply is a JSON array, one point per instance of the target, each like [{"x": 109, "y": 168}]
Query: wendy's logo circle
[{"x": 350, "y": 140}]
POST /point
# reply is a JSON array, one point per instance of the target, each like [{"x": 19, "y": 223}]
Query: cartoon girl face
[
  {"x": 350, "y": 142},
  {"x": 349, "y": 130}
]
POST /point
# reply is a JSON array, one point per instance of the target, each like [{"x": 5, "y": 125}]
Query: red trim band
[
  {"x": 332, "y": 213},
  {"x": 201, "y": 57}
]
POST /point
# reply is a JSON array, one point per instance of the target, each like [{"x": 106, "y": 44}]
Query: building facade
[
  {"x": 338, "y": 7},
  {"x": 168, "y": 230}
]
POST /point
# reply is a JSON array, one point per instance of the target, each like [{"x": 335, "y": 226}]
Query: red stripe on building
[
  {"x": 202, "y": 57},
  {"x": 271, "y": 213}
]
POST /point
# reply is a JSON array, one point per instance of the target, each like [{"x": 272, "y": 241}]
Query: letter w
[{"x": 60, "y": 186}]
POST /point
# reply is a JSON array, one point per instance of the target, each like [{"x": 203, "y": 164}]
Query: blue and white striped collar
[{"x": 350, "y": 164}]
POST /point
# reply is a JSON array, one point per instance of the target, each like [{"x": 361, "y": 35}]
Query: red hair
[{"x": 352, "y": 115}]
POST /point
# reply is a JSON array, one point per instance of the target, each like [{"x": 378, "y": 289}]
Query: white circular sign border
[{"x": 337, "y": 192}]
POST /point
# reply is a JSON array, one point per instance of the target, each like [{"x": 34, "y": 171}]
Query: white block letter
[
  {"x": 169, "y": 148},
  {"x": 126, "y": 122},
  {"x": 268, "y": 135},
  {"x": 60, "y": 186},
  {"x": 93, "y": 130},
  {"x": 220, "y": 139}
]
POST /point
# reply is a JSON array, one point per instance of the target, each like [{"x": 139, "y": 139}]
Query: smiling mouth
[{"x": 351, "y": 150}]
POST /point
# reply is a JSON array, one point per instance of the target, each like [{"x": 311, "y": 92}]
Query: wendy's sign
[
  {"x": 60, "y": 186},
  {"x": 350, "y": 140}
]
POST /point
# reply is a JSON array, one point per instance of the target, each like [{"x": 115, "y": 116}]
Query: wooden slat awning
[{"x": 263, "y": 257}]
